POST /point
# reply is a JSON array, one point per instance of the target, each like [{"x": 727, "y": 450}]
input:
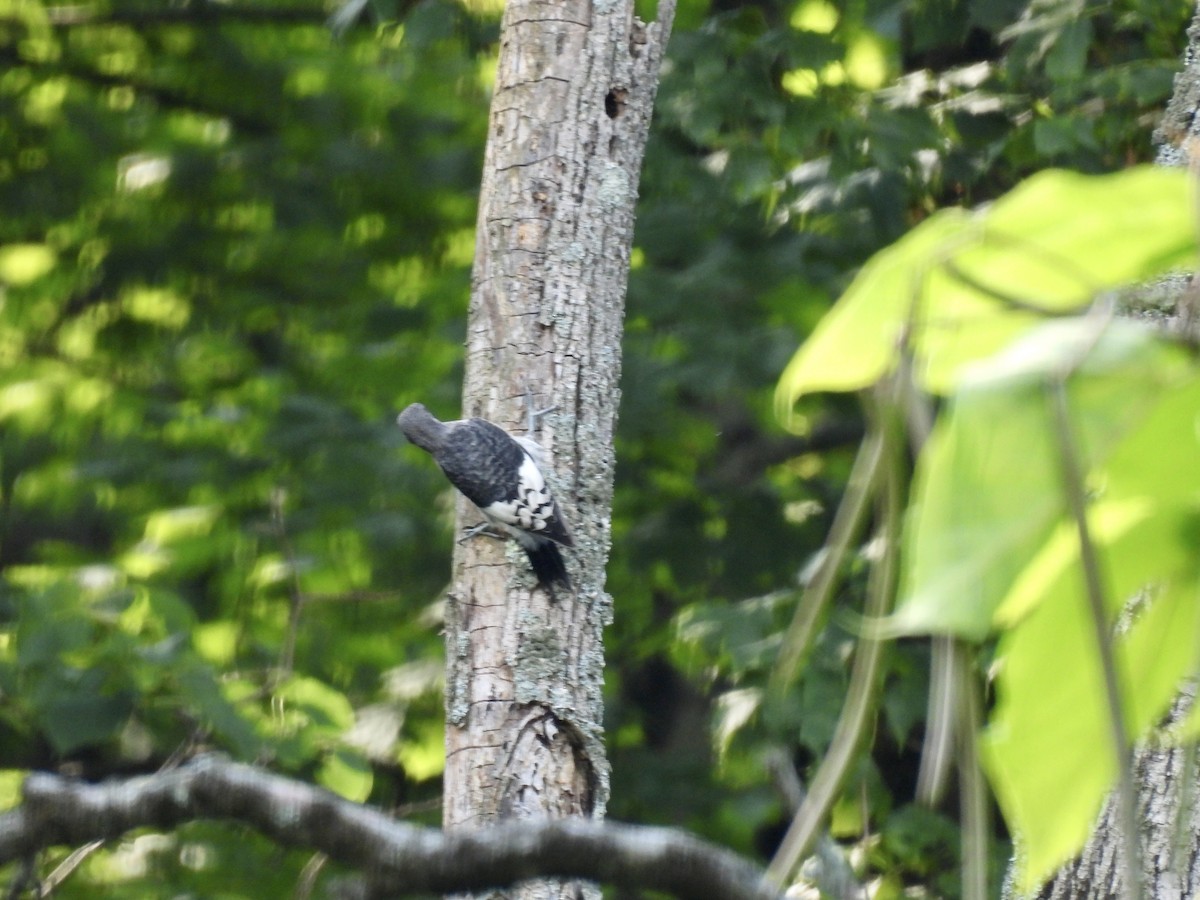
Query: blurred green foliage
[{"x": 235, "y": 242}]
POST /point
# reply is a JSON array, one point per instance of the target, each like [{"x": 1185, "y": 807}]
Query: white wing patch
[{"x": 533, "y": 507}]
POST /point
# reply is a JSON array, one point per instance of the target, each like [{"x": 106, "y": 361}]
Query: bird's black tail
[{"x": 548, "y": 565}]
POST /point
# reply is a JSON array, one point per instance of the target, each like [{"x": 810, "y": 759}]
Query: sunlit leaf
[
  {"x": 205, "y": 698},
  {"x": 998, "y": 553},
  {"x": 315, "y": 707},
  {"x": 23, "y": 263},
  {"x": 216, "y": 641},
  {"x": 1040, "y": 739},
  {"x": 423, "y": 753},
  {"x": 171, "y": 525},
  {"x": 963, "y": 285},
  {"x": 1047, "y": 749},
  {"x": 347, "y": 773},
  {"x": 855, "y": 344},
  {"x": 988, "y": 493},
  {"x": 10, "y": 787}
]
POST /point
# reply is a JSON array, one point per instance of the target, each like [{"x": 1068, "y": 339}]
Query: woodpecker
[{"x": 502, "y": 476}]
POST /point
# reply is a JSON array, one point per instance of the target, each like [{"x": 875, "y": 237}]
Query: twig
[
  {"x": 67, "y": 867},
  {"x": 834, "y": 877},
  {"x": 972, "y": 788},
  {"x": 937, "y": 751},
  {"x": 309, "y": 874},
  {"x": 1073, "y": 488},
  {"x": 847, "y": 524},
  {"x": 287, "y": 655},
  {"x": 945, "y": 675},
  {"x": 862, "y": 692}
]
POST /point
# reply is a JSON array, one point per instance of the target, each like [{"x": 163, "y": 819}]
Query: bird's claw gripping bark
[{"x": 480, "y": 529}]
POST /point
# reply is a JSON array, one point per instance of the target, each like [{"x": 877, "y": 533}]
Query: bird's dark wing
[
  {"x": 499, "y": 476},
  {"x": 482, "y": 461}
]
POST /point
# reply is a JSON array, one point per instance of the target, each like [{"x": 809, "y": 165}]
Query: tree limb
[{"x": 400, "y": 858}]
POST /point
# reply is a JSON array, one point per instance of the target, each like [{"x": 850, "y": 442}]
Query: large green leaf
[
  {"x": 76, "y": 708},
  {"x": 964, "y": 285},
  {"x": 1048, "y": 748},
  {"x": 855, "y": 344},
  {"x": 990, "y": 548},
  {"x": 988, "y": 494}
]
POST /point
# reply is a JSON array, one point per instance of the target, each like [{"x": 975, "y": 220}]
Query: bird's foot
[{"x": 482, "y": 529}]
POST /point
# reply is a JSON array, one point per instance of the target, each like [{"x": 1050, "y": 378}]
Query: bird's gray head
[{"x": 420, "y": 427}]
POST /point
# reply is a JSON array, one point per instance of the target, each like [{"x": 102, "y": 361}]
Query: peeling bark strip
[{"x": 575, "y": 87}]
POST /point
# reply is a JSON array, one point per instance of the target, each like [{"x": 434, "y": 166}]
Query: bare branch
[{"x": 400, "y": 858}]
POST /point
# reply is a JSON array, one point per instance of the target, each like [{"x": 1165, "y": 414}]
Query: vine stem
[
  {"x": 1073, "y": 488},
  {"x": 847, "y": 525},
  {"x": 862, "y": 692}
]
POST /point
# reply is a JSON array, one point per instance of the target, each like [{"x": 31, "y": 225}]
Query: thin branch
[
  {"x": 401, "y": 859},
  {"x": 309, "y": 874},
  {"x": 937, "y": 750},
  {"x": 972, "y": 788},
  {"x": 1053, "y": 261},
  {"x": 1019, "y": 304},
  {"x": 847, "y": 524},
  {"x": 67, "y": 867},
  {"x": 834, "y": 877},
  {"x": 287, "y": 655},
  {"x": 946, "y": 675},
  {"x": 862, "y": 692},
  {"x": 1073, "y": 488}
]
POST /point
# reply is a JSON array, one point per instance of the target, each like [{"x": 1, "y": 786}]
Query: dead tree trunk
[{"x": 574, "y": 91}]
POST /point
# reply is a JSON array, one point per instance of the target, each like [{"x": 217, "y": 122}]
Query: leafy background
[{"x": 236, "y": 241}]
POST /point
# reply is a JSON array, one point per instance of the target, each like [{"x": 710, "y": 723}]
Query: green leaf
[
  {"x": 308, "y": 717},
  {"x": 987, "y": 496},
  {"x": 1039, "y": 740},
  {"x": 966, "y": 285},
  {"x": 423, "y": 751},
  {"x": 1068, "y": 55},
  {"x": 989, "y": 547},
  {"x": 321, "y": 705},
  {"x": 347, "y": 773},
  {"x": 855, "y": 344},
  {"x": 75, "y": 710},
  {"x": 1086, "y": 233},
  {"x": 23, "y": 263},
  {"x": 11, "y": 781},
  {"x": 1160, "y": 652},
  {"x": 205, "y": 699}
]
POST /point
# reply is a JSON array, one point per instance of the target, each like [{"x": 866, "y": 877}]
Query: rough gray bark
[
  {"x": 1166, "y": 804},
  {"x": 575, "y": 86}
]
